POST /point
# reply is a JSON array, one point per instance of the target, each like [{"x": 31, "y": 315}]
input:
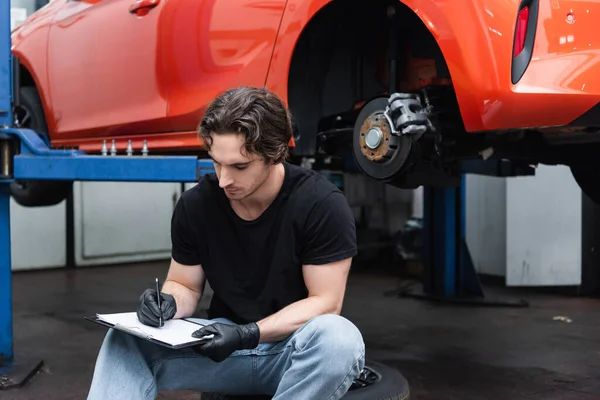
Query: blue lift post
[
  {"x": 23, "y": 156},
  {"x": 449, "y": 273},
  {"x": 6, "y": 329}
]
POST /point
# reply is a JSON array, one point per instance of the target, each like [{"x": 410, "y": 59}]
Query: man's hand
[
  {"x": 148, "y": 312},
  {"x": 227, "y": 339}
]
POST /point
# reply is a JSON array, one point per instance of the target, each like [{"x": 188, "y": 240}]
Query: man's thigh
[{"x": 186, "y": 369}]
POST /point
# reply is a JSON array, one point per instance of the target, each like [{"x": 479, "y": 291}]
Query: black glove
[
  {"x": 148, "y": 312},
  {"x": 227, "y": 339}
]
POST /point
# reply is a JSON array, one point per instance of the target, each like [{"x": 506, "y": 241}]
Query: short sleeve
[
  {"x": 330, "y": 231},
  {"x": 183, "y": 249}
]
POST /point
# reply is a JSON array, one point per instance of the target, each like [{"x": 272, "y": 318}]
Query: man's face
[{"x": 240, "y": 174}]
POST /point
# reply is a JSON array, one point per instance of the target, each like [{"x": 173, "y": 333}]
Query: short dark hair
[{"x": 258, "y": 114}]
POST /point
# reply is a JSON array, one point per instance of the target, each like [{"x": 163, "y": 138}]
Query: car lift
[{"x": 23, "y": 155}]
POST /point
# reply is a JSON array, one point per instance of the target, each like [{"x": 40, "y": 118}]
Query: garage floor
[{"x": 446, "y": 352}]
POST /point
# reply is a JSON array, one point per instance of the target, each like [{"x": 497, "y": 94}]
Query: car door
[{"x": 104, "y": 68}]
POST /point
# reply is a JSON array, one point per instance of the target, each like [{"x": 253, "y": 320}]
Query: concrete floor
[{"x": 446, "y": 352}]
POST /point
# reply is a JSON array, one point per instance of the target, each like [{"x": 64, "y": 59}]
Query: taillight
[
  {"x": 524, "y": 38},
  {"x": 521, "y": 31}
]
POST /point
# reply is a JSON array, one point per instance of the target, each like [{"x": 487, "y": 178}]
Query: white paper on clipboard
[{"x": 174, "y": 332}]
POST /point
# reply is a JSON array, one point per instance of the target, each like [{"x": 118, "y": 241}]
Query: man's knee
[
  {"x": 119, "y": 342},
  {"x": 337, "y": 337},
  {"x": 114, "y": 337}
]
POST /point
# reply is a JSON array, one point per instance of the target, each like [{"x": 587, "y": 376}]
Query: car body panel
[
  {"x": 171, "y": 62},
  {"x": 227, "y": 43},
  {"x": 211, "y": 46},
  {"x": 105, "y": 77}
]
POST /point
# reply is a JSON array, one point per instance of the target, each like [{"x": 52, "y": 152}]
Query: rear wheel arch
[
  {"x": 25, "y": 77},
  {"x": 337, "y": 62}
]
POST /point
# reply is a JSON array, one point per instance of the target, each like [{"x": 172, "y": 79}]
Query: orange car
[{"x": 408, "y": 89}]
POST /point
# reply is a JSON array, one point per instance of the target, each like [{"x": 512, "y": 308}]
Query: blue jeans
[{"x": 318, "y": 361}]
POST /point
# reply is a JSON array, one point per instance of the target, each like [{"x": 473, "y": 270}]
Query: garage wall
[
  {"x": 486, "y": 223},
  {"x": 21, "y": 9},
  {"x": 545, "y": 229},
  {"x": 114, "y": 222},
  {"x": 38, "y": 236},
  {"x": 526, "y": 229}
]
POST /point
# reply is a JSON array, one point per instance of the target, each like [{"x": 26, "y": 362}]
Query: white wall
[
  {"x": 526, "y": 229},
  {"x": 114, "y": 222},
  {"x": 38, "y": 236},
  {"x": 486, "y": 223},
  {"x": 21, "y": 9},
  {"x": 544, "y": 225}
]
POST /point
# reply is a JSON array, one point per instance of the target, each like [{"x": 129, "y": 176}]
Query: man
[{"x": 275, "y": 242}]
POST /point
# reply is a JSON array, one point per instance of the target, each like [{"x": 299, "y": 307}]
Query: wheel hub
[
  {"x": 373, "y": 138},
  {"x": 376, "y": 140}
]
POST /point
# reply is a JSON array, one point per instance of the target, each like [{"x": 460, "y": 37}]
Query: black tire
[
  {"x": 384, "y": 383},
  {"x": 30, "y": 115},
  {"x": 390, "y": 385},
  {"x": 588, "y": 179}
]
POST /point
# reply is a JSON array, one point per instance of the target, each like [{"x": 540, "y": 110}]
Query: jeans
[{"x": 318, "y": 361}]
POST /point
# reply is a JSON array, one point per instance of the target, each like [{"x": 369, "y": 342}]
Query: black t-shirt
[{"x": 255, "y": 267}]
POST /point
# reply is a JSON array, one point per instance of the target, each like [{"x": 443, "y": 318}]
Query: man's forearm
[
  {"x": 283, "y": 323},
  {"x": 185, "y": 298}
]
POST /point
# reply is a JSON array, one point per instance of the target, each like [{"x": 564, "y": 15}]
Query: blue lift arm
[
  {"x": 34, "y": 160},
  {"x": 24, "y": 156}
]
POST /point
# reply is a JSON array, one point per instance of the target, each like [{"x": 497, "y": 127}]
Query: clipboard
[{"x": 150, "y": 338}]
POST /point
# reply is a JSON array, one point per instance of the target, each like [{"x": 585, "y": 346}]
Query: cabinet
[{"x": 117, "y": 222}]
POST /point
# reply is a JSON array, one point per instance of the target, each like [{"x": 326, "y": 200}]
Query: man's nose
[{"x": 224, "y": 180}]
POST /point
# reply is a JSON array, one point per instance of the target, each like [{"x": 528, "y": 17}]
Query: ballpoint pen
[{"x": 160, "y": 319}]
